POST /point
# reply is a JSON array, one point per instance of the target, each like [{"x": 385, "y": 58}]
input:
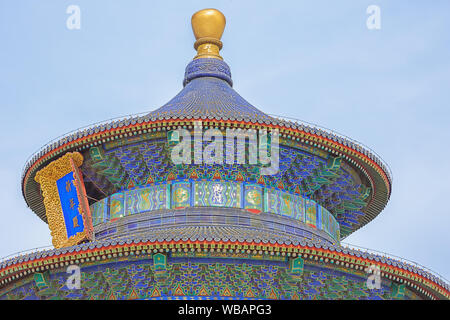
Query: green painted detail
[
  {"x": 96, "y": 154},
  {"x": 398, "y": 290},
  {"x": 334, "y": 163},
  {"x": 296, "y": 266},
  {"x": 365, "y": 192},
  {"x": 110, "y": 168},
  {"x": 159, "y": 262},
  {"x": 173, "y": 137},
  {"x": 169, "y": 196},
  {"x": 351, "y": 205},
  {"x": 41, "y": 280}
]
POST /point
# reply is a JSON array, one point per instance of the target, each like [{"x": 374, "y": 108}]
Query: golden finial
[{"x": 208, "y": 26}]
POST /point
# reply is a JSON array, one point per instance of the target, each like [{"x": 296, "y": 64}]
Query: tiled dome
[{"x": 207, "y": 95}]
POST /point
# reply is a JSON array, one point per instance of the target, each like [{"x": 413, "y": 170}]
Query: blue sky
[{"x": 312, "y": 60}]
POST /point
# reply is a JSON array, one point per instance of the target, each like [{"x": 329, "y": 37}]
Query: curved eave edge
[
  {"x": 356, "y": 155},
  {"x": 417, "y": 279}
]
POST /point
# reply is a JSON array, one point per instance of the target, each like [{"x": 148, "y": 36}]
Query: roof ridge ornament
[{"x": 208, "y": 26}]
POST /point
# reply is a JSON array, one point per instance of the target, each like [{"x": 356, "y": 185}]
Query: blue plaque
[{"x": 70, "y": 205}]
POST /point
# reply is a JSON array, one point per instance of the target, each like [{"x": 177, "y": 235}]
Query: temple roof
[
  {"x": 208, "y": 94},
  {"x": 226, "y": 236}
]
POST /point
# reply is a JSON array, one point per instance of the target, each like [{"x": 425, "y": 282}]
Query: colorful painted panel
[
  {"x": 99, "y": 211},
  {"x": 299, "y": 209},
  {"x": 253, "y": 198},
  {"x": 276, "y": 204},
  {"x": 329, "y": 223},
  {"x": 285, "y": 204},
  {"x": 334, "y": 227},
  {"x": 325, "y": 219},
  {"x": 181, "y": 195},
  {"x": 117, "y": 208},
  {"x": 146, "y": 199},
  {"x": 311, "y": 212},
  {"x": 217, "y": 194},
  {"x": 319, "y": 217}
]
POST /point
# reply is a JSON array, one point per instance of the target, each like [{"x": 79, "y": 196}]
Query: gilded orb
[
  {"x": 208, "y": 26},
  {"x": 208, "y": 23}
]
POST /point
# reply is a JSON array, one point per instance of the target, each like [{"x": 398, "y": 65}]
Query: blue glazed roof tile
[{"x": 208, "y": 94}]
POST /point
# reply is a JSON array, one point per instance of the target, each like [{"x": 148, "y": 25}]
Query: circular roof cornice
[
  {"x": 348, "y": 258},
  {"x": 358, "y": 156}
]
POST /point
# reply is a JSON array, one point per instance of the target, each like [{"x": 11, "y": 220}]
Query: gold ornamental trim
[{"x": 47, "y": 178}]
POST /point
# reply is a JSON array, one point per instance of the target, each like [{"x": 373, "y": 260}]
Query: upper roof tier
[{"x": 208, "y": 95}]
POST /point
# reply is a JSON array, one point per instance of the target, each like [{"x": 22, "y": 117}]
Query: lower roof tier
[
  {"x": 308, "y": 261},
  {"x": 181, "y": 276}
]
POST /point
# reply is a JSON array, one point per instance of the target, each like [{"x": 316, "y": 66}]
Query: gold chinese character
[
  {"x": 68, "y": 186},
  {"x": 72, "y": 204},
  {"x": 75, "y": 222}
]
